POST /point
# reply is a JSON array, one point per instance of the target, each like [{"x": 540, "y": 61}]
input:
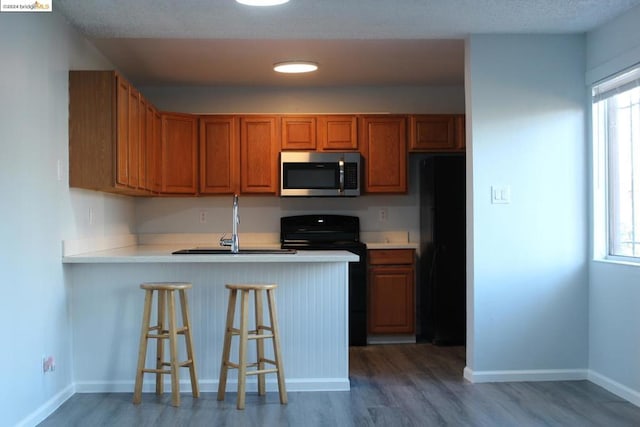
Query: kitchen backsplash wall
[{"x": 261, "y": 214}]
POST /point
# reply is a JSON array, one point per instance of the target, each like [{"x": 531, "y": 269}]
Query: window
[{"x": 616, "y": 136}]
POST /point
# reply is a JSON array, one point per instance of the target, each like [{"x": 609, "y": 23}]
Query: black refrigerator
[{"x": 442, "y": 273}]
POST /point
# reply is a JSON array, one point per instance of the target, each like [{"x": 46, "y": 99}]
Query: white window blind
[{"x": 616, "y": 125}]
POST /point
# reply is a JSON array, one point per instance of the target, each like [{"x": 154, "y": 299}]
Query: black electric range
[{"x": 331, "y": 232}]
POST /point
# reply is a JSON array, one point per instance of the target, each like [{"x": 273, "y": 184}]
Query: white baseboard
[
  {"x": 48, "y": 408},
  {"x": 206, "y": 386},
  {"x": 615, "y": 387},
  {"x": 620, "y": 390},
  {"x": 525, "y": 375}
]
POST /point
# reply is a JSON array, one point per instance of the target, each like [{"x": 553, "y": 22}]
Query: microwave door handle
[{"x": 341, "y": 167}]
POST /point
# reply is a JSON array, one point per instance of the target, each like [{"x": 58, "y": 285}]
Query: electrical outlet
[
  {"x": 48, "y": 364},
  {"x": 203, "y": 217},
  {"x": 383, "y": 215},
  {"x": 91, "y": 216},
  {"x": 59, "y": 170}
]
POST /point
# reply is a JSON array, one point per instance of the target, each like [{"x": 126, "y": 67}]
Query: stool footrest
[
  {"x": 164, "y": 334},
  {"x": 250, "y": 365},
  {"x": 184, "y": 364},
  {"x": 252, "y": 335},
  {"x": 156, "y": 371},
  {"x": 262, "y": 371}
]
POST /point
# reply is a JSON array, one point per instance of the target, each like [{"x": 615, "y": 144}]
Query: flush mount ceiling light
[
  {"x": 295, "y": 67},
  {"x": 262, "y": 2}
]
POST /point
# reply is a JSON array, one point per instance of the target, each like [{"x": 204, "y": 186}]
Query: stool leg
[
  {"x": 142, "y": 352},
  {"x": 161, "y": 316},
  {"x": 242, "y": 353},
  {"x": 260, "y": 342},
  {"x": 276, "y": 346},
  {"x": 173, "y": 350},
  {"x": 186, "y": 323},
  {"x": 226, "y": 347}
]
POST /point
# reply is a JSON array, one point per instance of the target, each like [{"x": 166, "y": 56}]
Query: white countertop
[{"x": 162, "y": 254}]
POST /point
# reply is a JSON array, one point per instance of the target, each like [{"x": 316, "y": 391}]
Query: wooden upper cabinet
[
  {"x": 298, "y": 133},
  {"x": 179, "y": 153},
  {"x": 100, "y": 128},
  {"x": 219, "y": 155},
  {"x": 259, "y": 147},
  {"x": 122, "y": 118},
  {"x": 436, "y": 132},
  {"x": 461, "y": 132},
  {"x": 134, "y": 138},
  {"x": 383, "y": 144},
  {"x": 339, "y": 133},
  {"x": 144, "y": 139},
  {"x": 155, "y": 152}
]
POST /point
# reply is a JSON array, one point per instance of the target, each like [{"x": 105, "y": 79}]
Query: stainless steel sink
[{"x": 218, "y": 251}]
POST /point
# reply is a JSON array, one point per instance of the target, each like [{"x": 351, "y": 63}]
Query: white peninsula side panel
[{"x": 312, "y": 304}]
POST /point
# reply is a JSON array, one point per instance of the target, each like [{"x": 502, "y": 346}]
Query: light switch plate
[{"x": 500, "y": 194}]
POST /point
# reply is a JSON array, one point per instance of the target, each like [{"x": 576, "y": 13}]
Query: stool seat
[
  {"x": 166, "y": 286},
  {"x": 258, "y": 334},
  {"x": 251, "y": 286},
  {"x": 166, "y": 308}
]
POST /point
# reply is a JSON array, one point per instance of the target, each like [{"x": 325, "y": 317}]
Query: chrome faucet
[{"x": 234, "y": 242}]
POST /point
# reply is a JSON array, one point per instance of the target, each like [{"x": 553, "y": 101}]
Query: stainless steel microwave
[{"x": 311, "y": 174}]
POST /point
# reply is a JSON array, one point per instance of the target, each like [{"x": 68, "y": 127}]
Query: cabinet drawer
[{"x": 391, "y": 256}]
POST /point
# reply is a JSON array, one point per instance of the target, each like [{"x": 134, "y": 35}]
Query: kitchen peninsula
[{"x": 106, "y": 308}]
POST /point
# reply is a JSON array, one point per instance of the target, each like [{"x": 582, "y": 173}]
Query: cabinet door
[
  {"x": 436, "y": 132},
  {"x": 144, "y": 139},
  {"x": 219, "y": 155},
  {"x": 259, "y": 137},
  {"x": 391, "y": 300},
  {"x": 338, "y": 133},
  {"x": 134, "y": 138},
  {"x": 122, "y": 133},
  {"x": 153, "y": 144},
  {"x": 156, "y": 153},
  {"x": 179, "y": 153},
  {"x": 298, "y": 133},
  {"x": 461, "y": 132},
  {"x": 384, "y": 148}
]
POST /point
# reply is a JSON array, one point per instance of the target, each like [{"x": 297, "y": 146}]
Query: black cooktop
[{"x": 319, "y": 231}]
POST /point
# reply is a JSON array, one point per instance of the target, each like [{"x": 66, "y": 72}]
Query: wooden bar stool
[
  {"x": 245, "y": 335},
  {"x": 160, "y": 332}
]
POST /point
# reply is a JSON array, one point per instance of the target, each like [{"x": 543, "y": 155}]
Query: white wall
[
  {"x": 614, "y": 298},
  {"x": 262, "y": 214},
  {"x": 39, "y": 211},
  {"x": 527, "y": 270}
]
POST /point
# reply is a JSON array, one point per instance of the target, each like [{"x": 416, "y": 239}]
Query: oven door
[{"x": 319, "y": 174}]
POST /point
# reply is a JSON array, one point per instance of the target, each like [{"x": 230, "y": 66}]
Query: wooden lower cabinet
[{"x": 391, "y": 284}]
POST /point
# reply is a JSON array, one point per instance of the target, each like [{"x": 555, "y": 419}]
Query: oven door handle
[{"x": 341, "y": 168}]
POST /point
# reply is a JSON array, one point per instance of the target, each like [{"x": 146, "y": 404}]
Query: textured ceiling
[{"x": 220, "y": 42}]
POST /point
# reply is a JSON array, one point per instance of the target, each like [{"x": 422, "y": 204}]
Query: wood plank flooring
[{"x": 391, "y": 385}]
